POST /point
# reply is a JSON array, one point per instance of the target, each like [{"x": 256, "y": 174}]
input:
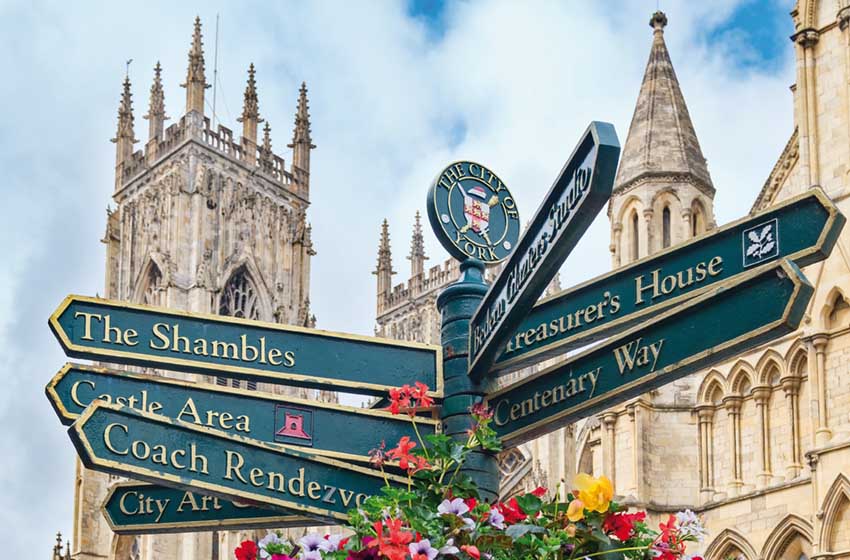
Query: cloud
[{"x": 510, "y": 84}]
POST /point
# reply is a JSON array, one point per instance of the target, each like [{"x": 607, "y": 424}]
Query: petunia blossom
[
  {"x": 496, "y": 519},
  {"x": 422, "y": 550},
  {"x": 455, "y": 506}
]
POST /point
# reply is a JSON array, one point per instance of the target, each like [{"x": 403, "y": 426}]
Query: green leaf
[
  {"x": 530, "y": 503},
  {"x": 518, "y": 530}
]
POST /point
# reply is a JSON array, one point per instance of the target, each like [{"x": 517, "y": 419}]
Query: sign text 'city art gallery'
[
  {"x": 581, "y": 189},
  {"x": 120, "y": 332},
  {"x": 141, "y": 508},
  {"x": 152, "y": 448},
  {"x": 803, "y": 229},
  {"x": 278, "y": 419},
  {"x": 725, "y": 320}
]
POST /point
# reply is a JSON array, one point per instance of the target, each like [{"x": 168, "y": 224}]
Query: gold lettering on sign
[
  {"x": 653, "y": 285},
  {"x": 505, "y": 411}
]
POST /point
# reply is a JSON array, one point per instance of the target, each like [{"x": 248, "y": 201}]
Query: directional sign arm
[
  {"x": 731, "y": 318},
  {"x": 803, "y": 229},
  {"x": 135, "y": 508},
  {"x": 277, "y": 419},
  {"x": 152, "y": 448},
  {"x": 581, "y": 189},
  {"x": 125, "y": 333}
]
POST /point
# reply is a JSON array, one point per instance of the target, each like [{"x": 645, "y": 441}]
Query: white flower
[
  {"x": 449, "y": 548},
  {"x": 270, "y": 538},
  {"x": 453, "y": 507},
  {"x": 496, "y": 519},
  {"x": 690, "y": 525}
]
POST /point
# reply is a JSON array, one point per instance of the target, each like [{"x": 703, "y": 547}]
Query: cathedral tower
[
  {"x": 204, "y": 222},
  {"x": 663, "y": 192}
]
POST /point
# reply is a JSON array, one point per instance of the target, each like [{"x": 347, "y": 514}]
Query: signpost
[
  {"x": 730, "y": 318},
  {"x": 803, "y": 229},
  {"x": 579, "y": 192},
  {"x": 139, "y": 508},
  {"x": 277, "y": 419},
  {"x": 100, "y": 329},
  {"x": 224, "y": 458},
  {"x": 152, "y": 448}
]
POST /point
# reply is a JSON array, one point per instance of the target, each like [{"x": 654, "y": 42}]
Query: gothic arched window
[
  {"x": 665, "y": 227},
  {"x": 239, "y": 299},
  {"x": 153, "y": 292},
  {"x": 697, "y": 219},
  {"x": 635, "y": 238}
]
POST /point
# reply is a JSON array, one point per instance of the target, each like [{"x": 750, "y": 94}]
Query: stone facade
[
  {"x": 760, "y": 444},
  {"x": 203, "y": 222}
]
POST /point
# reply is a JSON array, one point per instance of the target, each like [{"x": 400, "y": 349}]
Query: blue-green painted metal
[
  {"x": 119, "y": 332},
  {"x": 729, "y": 318},
  {"x": 473, "y": 213},
  {"x": 277, "y": 419},
  {"x": 581, "y": 189},
  {"x": 134, "y": 508},
  {"x": 456, "y": 304},
  {"x": 152, "y": 448},
  {"x": 803, "y": 229}
]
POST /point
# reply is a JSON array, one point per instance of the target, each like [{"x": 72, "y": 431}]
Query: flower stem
[{"x": 419, "y": 437}]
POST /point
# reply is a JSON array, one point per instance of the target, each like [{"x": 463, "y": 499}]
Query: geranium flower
[
  {"x": 417, "y": 464},
  {"x": 539, "y": 491},
  {"x": 472, "y": 550},
  {"x": 622, "y": 525},
  {"x": 393, "y": 545},
  {"x": 246, "y": 551},
  {"x": 402, "y": 452},
  {"x": 420, "y": 393},
  {"x": 470, "y": 503},
  {"x": 453, "y": 507},
  {"x": 595, "y": 493},
  {"x": 512, "y": 512},
  {"x": 422, "y": 550},
  {"x": 575, "y": 511},
  {"x": 399, "y": 399},
  {"x": 496, "y": 519}
]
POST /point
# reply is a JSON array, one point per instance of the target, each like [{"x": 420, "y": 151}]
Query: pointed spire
[
  {"x": 251, "y": 108},
  {"x": 384, "y": 269},
  {"x": 57, "y": 548},
  {"x": 266, "y": 154},
  {"x": 196, "y": 81},
  {"x": 125, "y": 136},
  {"x": 661, "y": 140},
  {"x": 417, "y": 249},
  {"x": 302, "y": 143},
  {"x": 156, "y": 109}
]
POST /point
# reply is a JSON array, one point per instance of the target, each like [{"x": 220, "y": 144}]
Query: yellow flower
[
  {"x": 595, "y": 493},
  {"x": 571, "y": 530},
  {"x": 575, "y": 511}
]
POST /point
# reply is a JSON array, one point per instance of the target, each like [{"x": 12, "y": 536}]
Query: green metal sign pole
[
  {"x": 137, "y": 508},
  {"x": 457, "y": 304}
]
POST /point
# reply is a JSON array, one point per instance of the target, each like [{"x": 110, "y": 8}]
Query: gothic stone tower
[
  {"x": 208, "y": 223},
  {"x": 663, "y": 192}
]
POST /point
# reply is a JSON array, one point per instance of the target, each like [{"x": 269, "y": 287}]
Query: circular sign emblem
[{"x": 473, "y": 213}]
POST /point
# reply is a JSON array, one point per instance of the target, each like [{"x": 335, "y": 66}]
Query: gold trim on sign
[
  {"x": 518, "y": 362},
  {"x": 194, "y": 366},
  {"x": 517, "y": 436},
  {"x": 62, "y": 411},
  {"x": 76, "y": 431},
  {"x": 235, "y": 523}
]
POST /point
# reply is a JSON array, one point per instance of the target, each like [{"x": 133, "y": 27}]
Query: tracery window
[
  {"x": 152, "y": 294},
  {"x": 239, "y": 299}
]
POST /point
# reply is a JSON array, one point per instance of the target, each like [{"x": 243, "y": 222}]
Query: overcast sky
[{"x": 397, "y": 90}]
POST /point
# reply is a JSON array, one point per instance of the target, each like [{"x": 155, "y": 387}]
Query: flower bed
[{"x": 440, "y": 514}]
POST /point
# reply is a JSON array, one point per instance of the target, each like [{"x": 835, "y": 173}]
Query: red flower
[
  {"x": 246, "y": 551},
  {"x": 399, "y": 399},
  {"x": 472, "y": 550},
  {"x": 394, "y": 547},
  {"x": 539, "y": 491},
  {"x": 420, "y": 393},
  {"x": 417, "y": 464},
  {"x": 512, "y": 512},
  {"x": 669, "y": 546},
  {"x": 402, "y": 452},
  {"x": 343, "y": 542},
  {"x": 470, "y": 503},
  {"x": 622, "y": 525}
]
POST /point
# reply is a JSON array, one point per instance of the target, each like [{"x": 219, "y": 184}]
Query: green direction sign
[
  {"x": 581, "y": 189},
  {"x": 278, "y": 419},
  {"x": 139, "y": 508},
  {"x": 105, "y": 330},
  {"x": 803, "y": 229},
  {"x": 731, "y": 318},
  {"x": 152, "y": 448}
]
